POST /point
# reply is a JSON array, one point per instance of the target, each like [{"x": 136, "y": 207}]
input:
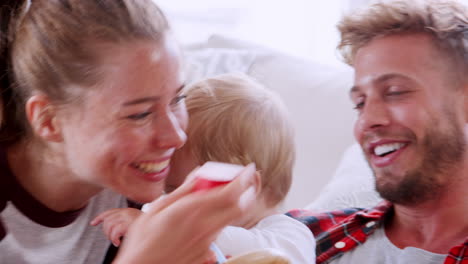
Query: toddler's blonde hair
[{"x": 235, "y": 119}]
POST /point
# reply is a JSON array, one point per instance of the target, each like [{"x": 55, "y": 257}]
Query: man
[{"x": 410, "y": 92}]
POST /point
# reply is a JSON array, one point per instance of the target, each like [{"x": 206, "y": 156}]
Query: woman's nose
[{"x": 170, "y": 131}]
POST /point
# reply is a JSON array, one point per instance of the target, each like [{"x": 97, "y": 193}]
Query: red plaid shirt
[{"x": 340, "y": 231}]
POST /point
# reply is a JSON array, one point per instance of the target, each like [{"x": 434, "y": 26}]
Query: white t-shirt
[
  {"x": 279, "y": 231},
  {"x": 378, "y": 249}
]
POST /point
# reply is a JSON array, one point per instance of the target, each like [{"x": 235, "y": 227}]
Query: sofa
[{"x": 330, "y": 171}]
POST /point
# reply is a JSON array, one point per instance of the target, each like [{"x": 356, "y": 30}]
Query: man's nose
[{"x": 374, "y": 114}]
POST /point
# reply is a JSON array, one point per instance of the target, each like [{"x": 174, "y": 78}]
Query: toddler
[{"x": 234, "y": 119}]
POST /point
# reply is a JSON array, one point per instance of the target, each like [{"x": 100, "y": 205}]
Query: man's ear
[{"x": 42, "y": 116}]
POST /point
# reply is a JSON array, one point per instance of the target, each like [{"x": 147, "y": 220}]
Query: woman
[{"x": 93, "y": 111}]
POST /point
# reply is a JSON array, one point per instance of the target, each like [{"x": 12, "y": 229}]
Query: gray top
[
  {"x": 28, "y": 242},
  {"x": 378, "y": 249}
]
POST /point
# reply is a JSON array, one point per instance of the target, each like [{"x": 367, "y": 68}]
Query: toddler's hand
[{"x": 115, "y": 222}]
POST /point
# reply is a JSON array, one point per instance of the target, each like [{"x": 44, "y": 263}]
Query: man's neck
[{"x": 436, "y": 225}]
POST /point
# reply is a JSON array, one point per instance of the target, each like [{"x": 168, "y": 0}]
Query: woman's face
[{"x": 123, "y": 133}]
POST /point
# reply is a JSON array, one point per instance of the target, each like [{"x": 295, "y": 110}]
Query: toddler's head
[{"x": 234, "y": 119}]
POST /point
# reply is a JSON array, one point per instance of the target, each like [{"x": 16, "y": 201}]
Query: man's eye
[
  {"x": 397, "y": 93},
  {"x": 139, "y": 116},
  {"x": 178, "y": 99}
]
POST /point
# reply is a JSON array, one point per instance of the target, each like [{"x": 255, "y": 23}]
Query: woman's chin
[{"x": 145, "y": 196}]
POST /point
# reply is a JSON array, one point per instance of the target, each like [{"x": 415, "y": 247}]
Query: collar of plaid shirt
[{"x": 340, "y": 231}]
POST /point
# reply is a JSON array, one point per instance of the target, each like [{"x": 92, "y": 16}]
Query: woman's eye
[
  {"x": 359, "y": 102},
  {"x": 178, "y": 99},
  {"x": 139, "y": 116},
  {"x": 359, "y": 106}
]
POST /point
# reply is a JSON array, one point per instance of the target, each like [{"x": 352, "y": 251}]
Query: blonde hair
[
  {"x": 235, "y": 119},
  {"x": 49, "y": 46},
  {"x": 445, "y": 21}
]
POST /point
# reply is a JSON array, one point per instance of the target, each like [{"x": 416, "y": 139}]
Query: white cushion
[
  {"x": 316, "y": 96},
  {"x": 353, "y": 185},
  {"x": 207, "y": 62}
]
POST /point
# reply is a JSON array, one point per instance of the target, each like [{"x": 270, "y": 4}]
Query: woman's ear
[
  {"x": 42, "y": 116},
  {"x": 258, "y": 182},
  {"x": 1, "y": 111},
  {"x": 465, "y": 101}
]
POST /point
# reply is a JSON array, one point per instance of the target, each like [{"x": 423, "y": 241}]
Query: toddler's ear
[
  {"x": 192, "y": 175},
  {"x": 42, "y": 116},
  {"x": 170, "y": 187}
]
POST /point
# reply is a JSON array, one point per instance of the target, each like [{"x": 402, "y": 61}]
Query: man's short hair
[
  {"x": 446, "y": 21},
  {"x": 235, "y": 119}
]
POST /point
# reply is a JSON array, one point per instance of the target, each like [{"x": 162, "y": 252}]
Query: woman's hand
[{"x": 180, "y": 227}]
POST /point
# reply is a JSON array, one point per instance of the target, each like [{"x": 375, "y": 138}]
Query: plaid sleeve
[
  {"x": 321, "y": 222},
  {"x": 328, "y": 229},
  {"x": 458, "y": 254},
  {"x": 339, "y": 231}
]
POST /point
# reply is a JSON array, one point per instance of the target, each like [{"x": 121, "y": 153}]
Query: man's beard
[{"x": 443, "y": 151}]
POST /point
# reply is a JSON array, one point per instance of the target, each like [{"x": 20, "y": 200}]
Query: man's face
[{"x": 412, "y": 121}]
